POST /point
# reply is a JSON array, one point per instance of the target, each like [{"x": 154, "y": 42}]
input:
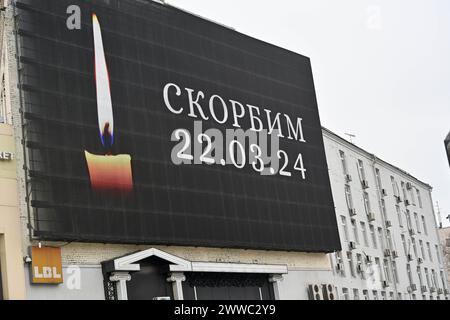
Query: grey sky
[{"x": 381, "y": 70}]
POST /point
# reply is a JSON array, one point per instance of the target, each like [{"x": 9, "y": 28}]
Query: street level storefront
[
  {"x": 12, "y": 281},
  {"x": 154, "y": 274}
]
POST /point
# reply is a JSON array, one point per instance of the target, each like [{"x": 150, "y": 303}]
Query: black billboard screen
[{"x": 147, "y": 124}]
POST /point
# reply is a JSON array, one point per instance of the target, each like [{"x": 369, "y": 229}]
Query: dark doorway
[
  {"x": 150, "y": 282},
  {"x": 227, "y": 286}
]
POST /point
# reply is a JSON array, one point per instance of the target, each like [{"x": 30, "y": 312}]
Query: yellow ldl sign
[{"x": 46, "y": 266}]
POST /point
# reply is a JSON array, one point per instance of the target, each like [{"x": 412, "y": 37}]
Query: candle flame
[{"x": 103, "y": 90}]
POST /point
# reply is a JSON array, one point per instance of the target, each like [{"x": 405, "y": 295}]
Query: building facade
[
  {"x": 387, "y": 226},
  {"x": 385, "y": 219},
  {"x": 444, "y": 235}
]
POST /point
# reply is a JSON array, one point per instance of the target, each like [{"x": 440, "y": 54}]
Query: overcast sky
[{"x": 381, "y": 70}]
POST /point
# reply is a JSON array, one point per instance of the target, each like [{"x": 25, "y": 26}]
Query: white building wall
[{"x": 362, "y": 280}]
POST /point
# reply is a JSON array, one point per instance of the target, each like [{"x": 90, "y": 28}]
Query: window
[
  {"x": 419, "y": 199},
  {"x": 414, "y": 297},
  {"x": 447, "y": 242},
  {"x": 355, "y": 294},
  {"x": 375, "y": 294},
  {"x": 383, "y": 295},
  {"x": 399, "y": 215},
  {"x": 408, "y": 271},
  {"x": 366, "y": 202},
  {"x": 391, "y": 295},
  {"x": 386, "y": 270},
  {"x": 427, "y": 277},
  {"x": 404, "y": 191},
  {"x": 436, "y": 247},
  {"x": 359, "y": 262},
  {"x": 419, "y": 273},
  {"x": 351, "y": 264},
  {"x": 364, "y": 233},
  {"x": 395, "y": 271},
  {"x": 394, "y": 187},
  {"x": 344, "y": 227},
  {"x": 430, "y": 255},
  {"x": 383, "y": 209},
  {"x": 366, "y": 294},
  {"x": 343, "y": 162},
  {"x": 411, "y": 195},
  {"x": 404, "y": 244},
  {"x": 422, "y": 250},
  {"x": 355, "y": 231},
  {"x": 378, "y": 176},
  {"x": 378, "y": 267},
  {"x": 338, "y": 256},
  {"x": 390, "y": 241},
  {"x": 348, "y": 197},
  {"x": 399, "y": 296},
  {"x": 444, "y": 283},
  {"x": 424, "y": 225},
  {"x": 345, "y": 294},
  {"x": 362, "y": 174},
  {"x": 408, "y": 220},
  {"x": 373, "y": 236},
  {"x": 416, "y": 219},
  {"x": 414, "y": 247},
  {"x": 381, "y": 239},
  {"x": 434, "y": 279}
]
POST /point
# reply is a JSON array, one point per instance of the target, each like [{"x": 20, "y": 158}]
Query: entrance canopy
[{"x": 130, "y": 263}]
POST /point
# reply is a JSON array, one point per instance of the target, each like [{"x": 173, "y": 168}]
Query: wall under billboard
[{"x": 121, "y": 109}]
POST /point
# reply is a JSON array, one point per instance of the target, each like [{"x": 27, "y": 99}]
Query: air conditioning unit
[
  {"x": 315, "y": 292},
  {"x": 388, "y": 223},
  {"x": 329, "y": 292},
  {"x": 407, "y": 202},
  {"x": 387, "y": 252},
  {"x": 440, "y": 291},
  {"x": 369, "y": 259},
  {"x": 339, "y": 266},
  {"x": 352, "y": 212},
  {"x": 352, "y": 245},
  {"x": 423, "y": 288},
  {"x": 409, "y": 257},
  {"x": 419, "y": 260},
  {"x": 371, "y": 216},
  {"x": 408, "y": 185},
  {"x": 394, "y": 254},
  {"x": 432, "y": 289},
  {"x": 411, "y": 231},
  {"x": 348, "y": 177},
  {"x": 365, "y": 184},
  {"x": 385, "y": 284},
  {"x": 398, "y": 199},
  {"x": 412, "y": 287},
  {"x": 383, "y": 192}
]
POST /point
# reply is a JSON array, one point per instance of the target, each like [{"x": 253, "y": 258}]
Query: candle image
[{"x": 107, "y": 172}]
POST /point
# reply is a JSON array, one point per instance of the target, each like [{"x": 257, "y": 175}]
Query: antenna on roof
[{"x": 350, "y": 136}]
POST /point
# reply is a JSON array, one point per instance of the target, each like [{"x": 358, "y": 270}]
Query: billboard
[{"x": 140, "y": 122}]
